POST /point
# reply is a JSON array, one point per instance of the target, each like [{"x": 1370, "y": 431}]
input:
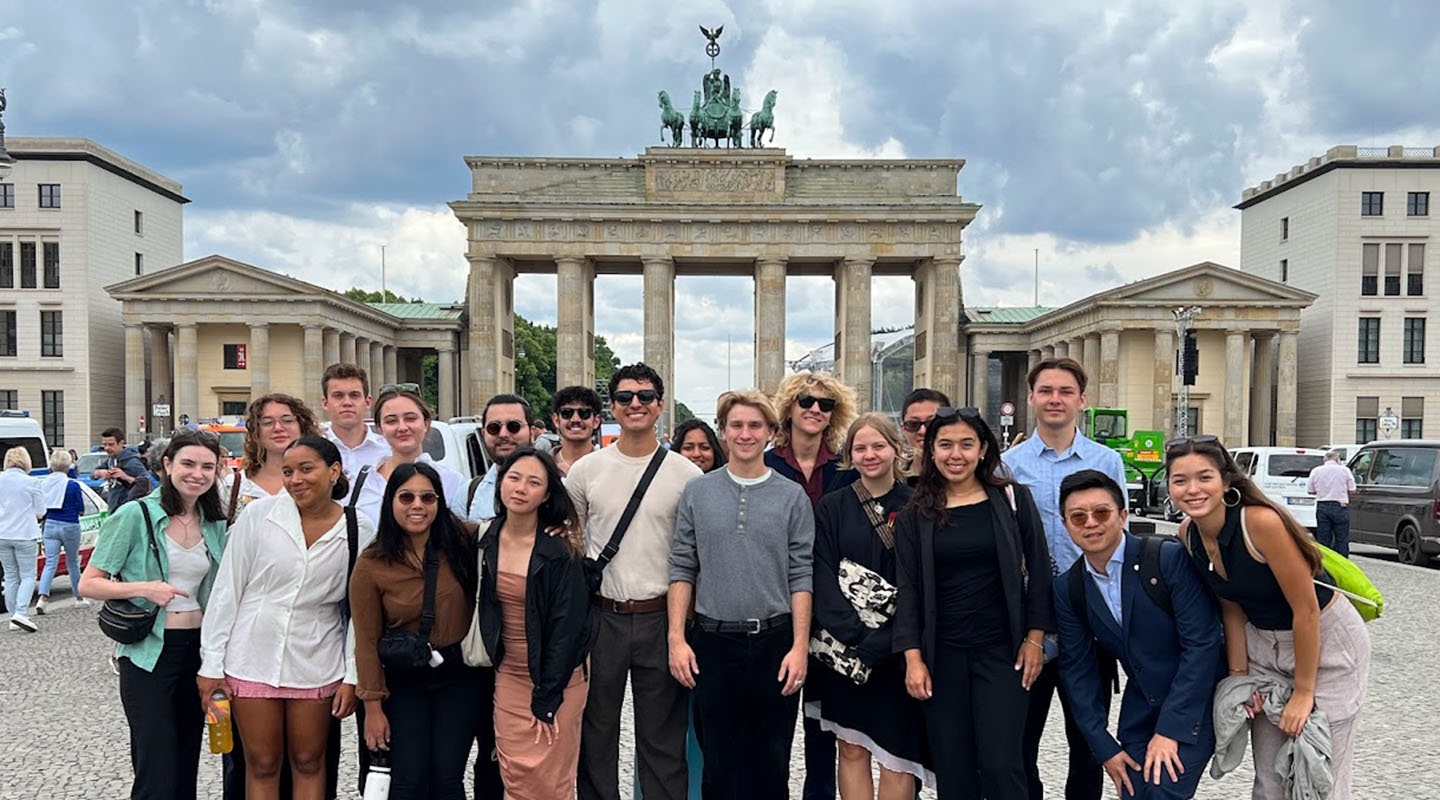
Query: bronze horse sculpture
[
  {"x": 763, "y": 120},
  {"x": 671, "y": 120}
]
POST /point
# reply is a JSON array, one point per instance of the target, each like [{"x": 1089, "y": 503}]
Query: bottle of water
[
  {"x": 217, "y": 718},
  {"x": 377, "y": 780}
]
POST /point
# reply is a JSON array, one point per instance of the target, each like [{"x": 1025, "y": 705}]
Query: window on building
[
  {"x": 234, "y": 356},
  {"x": 27, "y": 265},
  {"x": 232, "y": 408},
  {"x": 139, "y": 223},
  {"x": 1415, "y": 283},
  {"x": 7, "y": 195},
  {"x": 1284, "y": 270},
  {"x": 1367, "y": 419},
  {"x": 52, "y": 416},
  {"x": 1192, "y": 420},
  {"x": 1417, "y": 204},
  {"x": 1412, "y": 419},
  {"x": 52, "y": 264},
  {"x": 8, "y": 346},
  {"x": 139, "y": 263},
  {"x": 49, "y": 195},
  {"x": 1414, "y": 340},
  {"x": 52, "y": 334},
  {"x": 1370, "y": 270},
  {"x": 1393, "y": 254},
  {"x": 1369, "y": 349},
  {"x": 7, "y": 265},
  {"x": 1284, "y": 228},
  {"x": 10, "y": 399},
  {"x": 1372, "y": 204}
]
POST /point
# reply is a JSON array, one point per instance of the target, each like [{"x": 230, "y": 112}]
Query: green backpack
[{"x": 1351, "y": 581}]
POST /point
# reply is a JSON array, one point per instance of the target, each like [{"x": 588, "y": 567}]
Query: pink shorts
[{"x": 248, "y": 690}]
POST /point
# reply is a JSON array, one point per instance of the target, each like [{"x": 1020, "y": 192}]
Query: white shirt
[
  {"x": 372, "y": 494},
  {"x": 21, "y": 503},
  {"x": 250, "y": 491},
  {"x": 279, "y": 601},
  {"x": 368, "y": 453},
  {"x": 1331, "y": 482},
  {"x": 483, "y": 508}
]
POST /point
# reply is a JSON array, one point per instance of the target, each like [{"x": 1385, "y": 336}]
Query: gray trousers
[{"x": 634, "y": 646}]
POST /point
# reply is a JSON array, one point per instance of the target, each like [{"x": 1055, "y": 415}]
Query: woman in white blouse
[
  {"x": 272, "y": 422},
  {"x": 404, "y": 420},
  {"x": 278, "y": 597}
]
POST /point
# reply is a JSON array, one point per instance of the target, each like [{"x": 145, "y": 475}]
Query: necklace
[{"x": 186, "y": 526}]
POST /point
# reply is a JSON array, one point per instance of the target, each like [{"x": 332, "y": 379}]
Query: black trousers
[
  {"x": 232, "y": 767},
  {"x": 488, "y": 785},
  {"x": 819, "y": 753},
  {"x": 748, "y": 724},
  {"x": 165, "y": 716},
  {"x": 1084, "y": 778},
  {"x": 975, "y": 720},
  {"x": 433, "y": 721}
]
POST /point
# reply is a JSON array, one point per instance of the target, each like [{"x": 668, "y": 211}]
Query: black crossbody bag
[
  {"x": 595, "y": 567},
  {"x": 126, "y": 621},
  {"x": 408, "y": 651}
]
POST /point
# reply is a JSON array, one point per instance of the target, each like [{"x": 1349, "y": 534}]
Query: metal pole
[
  {"x": 1037, "y": 277},
  {"x": 382, "y": 274},
  {"x": 1184, "y": 317}
]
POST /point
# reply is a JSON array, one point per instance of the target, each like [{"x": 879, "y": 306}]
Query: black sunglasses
[
  {"x": 950, "y": 412},
  {"x": 570, "y": 411},
  {"x": 646, "y": 396},
  {"x": 399, "y": 387},
  {"x": 1180, "y": 444},
  {"x": 827, "y": 404},
  {"x": 512, "y": 427}
]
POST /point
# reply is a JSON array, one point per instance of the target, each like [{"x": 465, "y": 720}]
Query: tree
[
  {"x": 363, "y": 296},
  {"x": 682, "y": 413}
]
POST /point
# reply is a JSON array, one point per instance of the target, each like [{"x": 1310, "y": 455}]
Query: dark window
[
  {"x": 10, "y": 399},
  {"x": 1369, "y": 349},
  {"x": 1370, "y": 270},
  {"x": 1372, "y": 204},
  {"x": 1414, "y": 340},
  {"x": 1417, "y": 204},
  {"x": 234, "y": 356},
  {"x": 139, "y": 223},
  {"x": 52, "y": 334},
  {"x": 7, "y": 195},
  {"x": 139, "y": 263},
  {"x": 1415, "y": 285},
  {"x": 49, "y": 195},
  {"x": 27, "y": 265},
  {"x": 1393, "y": 254},
  {"x": 7, "y": 265},
  {"x": 1412, "y": 421},
  {"x": 8, "y": 346},
  {"x": 233, "y": 408},
  {"x": 1292, "y": 466},
  {"x": 1284, "y": 228},
  {"x": 52, "y": 265},
  {"x": 1284, "y": 270},
  {"x": 1367, "y": 419},
  {"x": 52, "y": 413}
]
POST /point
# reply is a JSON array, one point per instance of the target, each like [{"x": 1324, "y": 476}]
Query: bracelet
[
  {"x": 1030, "y": 641},
  {"x": 1239, "y": 672}
]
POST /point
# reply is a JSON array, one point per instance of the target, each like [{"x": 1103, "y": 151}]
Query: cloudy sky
[{"x": 1112, "y": 137}]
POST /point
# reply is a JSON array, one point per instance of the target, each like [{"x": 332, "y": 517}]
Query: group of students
[{"x": 925, "y": 596}]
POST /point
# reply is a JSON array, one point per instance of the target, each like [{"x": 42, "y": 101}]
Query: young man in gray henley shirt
[{"x": 744, "y": 539}]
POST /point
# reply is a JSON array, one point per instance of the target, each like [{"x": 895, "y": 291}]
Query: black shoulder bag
[
  {"x": 408, "y": 651},
  {"x": 126, "y": 621},
  {"x": 595, "y": 567},
  {"x": 352, "y": 535}
]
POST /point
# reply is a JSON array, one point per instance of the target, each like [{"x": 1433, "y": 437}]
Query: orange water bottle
[{"x": 217, "y": 718}]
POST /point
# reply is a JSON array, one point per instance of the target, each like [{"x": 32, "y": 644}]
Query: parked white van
[
  {"x": 19, "y": 429},
  {"x": 1282, "y": 473}
]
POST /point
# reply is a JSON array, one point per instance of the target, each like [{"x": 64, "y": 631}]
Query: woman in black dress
[{"x": 875, "y": 719}]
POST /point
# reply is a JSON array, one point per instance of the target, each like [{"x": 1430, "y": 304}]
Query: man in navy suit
[{"x": 1166, "y": 636}]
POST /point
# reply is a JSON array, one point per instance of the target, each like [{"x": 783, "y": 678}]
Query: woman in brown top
[{"x": 425, "y": 717}]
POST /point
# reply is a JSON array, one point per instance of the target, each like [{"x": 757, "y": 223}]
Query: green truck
[{"x": 1142, "y": 451}]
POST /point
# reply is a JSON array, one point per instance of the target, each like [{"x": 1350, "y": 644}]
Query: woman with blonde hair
[
  {"x": 21, "y": 506},
  {"x": 272, "y": 422},
  {"x": 62, "y": 529}
]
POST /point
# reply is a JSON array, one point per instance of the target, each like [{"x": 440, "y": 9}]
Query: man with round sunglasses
[
  {"x": 576, "y": 416},
  {"x": 915, "y": 415},
  {"x": 1142, "y": 602},
  {"x": 504, "y": 428}
]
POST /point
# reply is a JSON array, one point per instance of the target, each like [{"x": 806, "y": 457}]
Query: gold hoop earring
[{"x": 1225, "y": 498}]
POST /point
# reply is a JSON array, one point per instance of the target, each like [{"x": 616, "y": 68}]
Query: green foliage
[
  {"x": 606, "y": 362},
  {"x": 535, "y": 364},
  {"x": 682, "y": 414},
  {"x": 430, "y": 381},
  {"x": 363, "y": 296}
]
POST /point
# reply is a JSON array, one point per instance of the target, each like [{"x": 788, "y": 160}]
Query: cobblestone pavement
[{"x": 63, "y": 734}]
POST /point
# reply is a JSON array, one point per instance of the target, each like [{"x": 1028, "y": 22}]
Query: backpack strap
[
  {"x": 355, "y": 492},
  {"x": 235, "y": 481},
  {"x": 1152, "y": 580},
  {"x": 474, "y": 486},
  {"x": 150, "y": 537}
]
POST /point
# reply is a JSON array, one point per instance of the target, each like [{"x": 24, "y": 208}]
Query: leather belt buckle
[{"x": 754, "y": 626}]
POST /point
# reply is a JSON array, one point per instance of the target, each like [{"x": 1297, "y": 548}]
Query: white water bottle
[{"x": 377, "y": 780}]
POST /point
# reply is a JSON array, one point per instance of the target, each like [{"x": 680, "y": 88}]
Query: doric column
[
  {"x": 1091, "y": 361},
  {"x": 377, "y": 362},
  {"x": 314, "y": 365},
  {"x": 362, "y": 357},
  {"x": 574, "y": 349},
  {"x": 937, "y": 326},
  {"x": 347, "y": 347},
  {"x": 660, "y": 327},
  {"x": 492, "y": 327},
  {"x": 332, "y": 346},
  {"x": 1062, "y": 349},
  {"x": 852, "y": 326},
  {"x": 769, "y": 323},
  {"x": 1162, "y": 403},
  {"x": 392, "y": 364},
  {"x": 1047, "y": 352},
  {"x": 257, "y": 359},
  {"x": 161, "y": 387},
  {"x": 134, "y": 376},
  {"x": 187, "y": 373},
  {"x": 1236, "y": 344},
  {"x": 1110, "y": 368},
  {"x": 1286, "y": 373},
  {"x": 447, "y": 381},
  {"x": 980, "y": 383},
  {"x": 1262, "y": 389},
  {"x": 1032, "y": 358}
]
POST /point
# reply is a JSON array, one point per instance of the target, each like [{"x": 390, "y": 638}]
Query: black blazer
[
  {"x": 557, "y": 616},
  {"x": 1024, "y": 571}
]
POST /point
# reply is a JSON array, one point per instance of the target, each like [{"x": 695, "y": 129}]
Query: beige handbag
[{"x": 472, "y": 647}]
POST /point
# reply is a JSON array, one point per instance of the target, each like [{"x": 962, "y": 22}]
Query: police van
[{"x": 19, "y": 429}]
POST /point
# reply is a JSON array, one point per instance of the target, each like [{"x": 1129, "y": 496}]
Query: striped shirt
[{"x": 1331, "y": 482}]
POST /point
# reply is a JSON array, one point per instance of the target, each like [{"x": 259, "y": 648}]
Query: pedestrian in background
[
  {"x": 163, "y": 552},
  {"x": 272, "y": 422},
  {"x": 1332, "y": 483},
  {"x": 916, "y": 412},
  {"x": 126, "y": 478},
  {"x": 62, "y": 531},
  {"x": 21, "y": 506}
]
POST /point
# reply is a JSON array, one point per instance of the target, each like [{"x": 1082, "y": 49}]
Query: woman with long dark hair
[
  {"x": 425, "y": 715},
  {"x": 697, "y": 441},
  {"x": 280, "y": 592},
  {"x": 163, "y": 551},
  {"x": 1279, "y": 622},
  {"x": 969, "y": 617},
  {"x": 535, "y": 621}
]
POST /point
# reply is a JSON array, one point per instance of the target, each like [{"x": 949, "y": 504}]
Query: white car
[{"x": 1283, "y": 473}]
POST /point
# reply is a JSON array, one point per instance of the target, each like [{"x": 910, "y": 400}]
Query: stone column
[
  {"x": 938, "y": 358},
  {"x": 980, "y": 383},
  {"x": 187, "y": 372},
  {"x": 332, "y": 347},
  {"x": 1236, "y": 344},
  {"x": 1110, "y": 368},
  {"x": 161, "y": 387},
  {"x": 852, "y": 326},
  {"x": 1047, "y": 352},
  {"x": 492, "y": 327},
  {"x": 362, "y": 356},
  {"x": 1285, "y": 390},
  {"x": 1091, "y": 361},
  {"x": 1032, "y": 358},
  {"x": 392, "y": 364},
  {"x": 1162, "y": 403},
  {"x": 769, "y": 323},
  {"x": 1262, "y": 389},
  {"x": 574, "y": 349},
  {"x": 314, "y": 368},
  {"x": 660, "y": 327},
  {"x": 1062, "y": 349},
  {"x": 257, "y": 359},
  {"x": 347, "y": 347},
  {"x": 377, "y": 362},
  {"x": 447, "y": 381},
  {"x": 135, "y": 377}
]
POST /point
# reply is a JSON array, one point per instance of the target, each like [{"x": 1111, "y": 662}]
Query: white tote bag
[{"x": 472, "y": 647}]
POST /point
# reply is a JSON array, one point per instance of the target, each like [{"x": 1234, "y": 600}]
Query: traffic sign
[
  {"x": 160, "y": 410},
  {"x": 1007, "y": 409},
  {"x": 1006, "y": 420}
]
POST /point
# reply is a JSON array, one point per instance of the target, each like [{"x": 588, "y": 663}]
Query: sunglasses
[
  {"x": 827, "y": 404},
  {"x": 1080, "y": 516},
  {"x": 583, "y": 413},
  {"x": 407, "y": 497},
  {"x": 512, "y": 427},
  {"x": 914, "y": 425},
  {"x": 1177, "y": 445},
  {"x": 400, "y": 387},
  {"x": 950, "y": 412},
  {"x": 646, "y": 397}
]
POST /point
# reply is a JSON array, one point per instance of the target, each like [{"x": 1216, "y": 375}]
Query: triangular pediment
[
  {"x": 214, "y": 275},
  {"x": 1207, "y": 283}
]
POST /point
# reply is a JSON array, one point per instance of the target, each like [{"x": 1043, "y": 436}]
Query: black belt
[
  {"x": 746, "y": 626},
  {"x": 1328, "y": 503}
]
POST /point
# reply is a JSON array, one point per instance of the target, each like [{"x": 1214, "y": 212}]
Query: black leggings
[
  {"x": 163, "y": 708},
  {"x": 975, "y": 719},
  {"x": 433, "y": 719}
]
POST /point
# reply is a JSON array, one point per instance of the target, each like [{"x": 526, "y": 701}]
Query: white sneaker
[
  {"x": 82, "y": 601},
  {"x": 22, "y": 623},
  {"x": 40, "y": 605}
]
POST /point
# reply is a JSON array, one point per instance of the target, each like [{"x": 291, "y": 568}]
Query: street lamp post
[
  {"x": 7, "y": 161},
  {"x": 1184, "y": 321}
]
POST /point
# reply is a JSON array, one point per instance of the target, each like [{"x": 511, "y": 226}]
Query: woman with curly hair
[{"x": 272, "y": 422}]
